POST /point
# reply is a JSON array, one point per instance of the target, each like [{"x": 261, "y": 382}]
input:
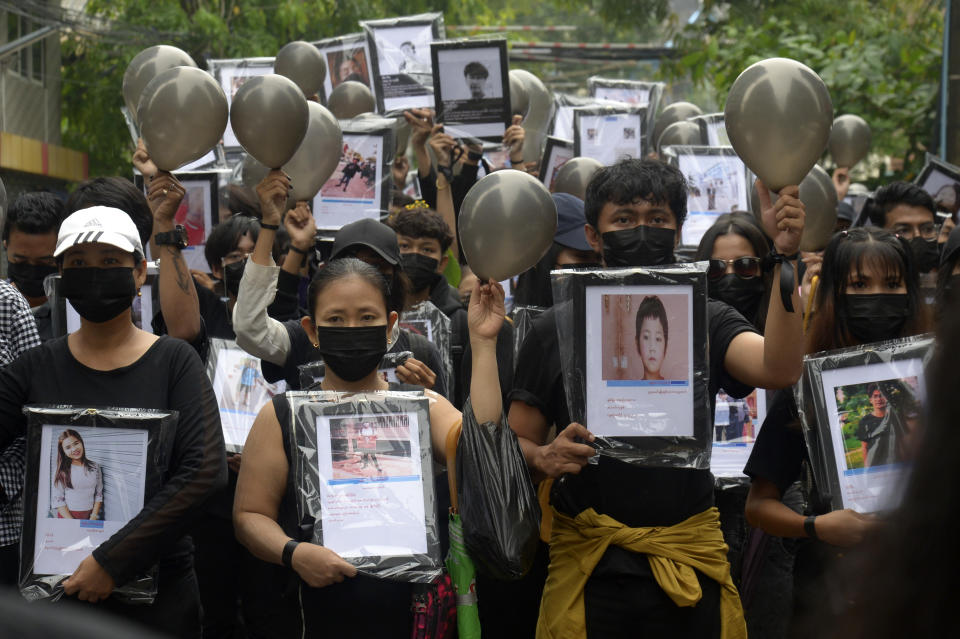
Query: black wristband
[
  {"x": 474, "y": 156},
  {"x": 446, "y": 172},
  {"x": 287, "y": 557},
  {"x": 272, "y": 227},
  {"x": 787, "y": 279},
  {"x": 300, "y": 251},
  {"x": 810, "y": 527}
]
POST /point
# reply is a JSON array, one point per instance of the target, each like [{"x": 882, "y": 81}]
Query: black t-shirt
[
  {"x": 779, "y": 452},
  {"x": 303, "y": 352},
  {"x": 634, "y": 496},
  {"x": 169, "y": 376}
]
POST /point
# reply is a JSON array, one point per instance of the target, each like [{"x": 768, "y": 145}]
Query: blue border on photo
[{"x": 613, "y": 383}]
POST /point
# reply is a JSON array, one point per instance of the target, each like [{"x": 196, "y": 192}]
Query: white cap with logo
[{"x": 100, "y": 224}]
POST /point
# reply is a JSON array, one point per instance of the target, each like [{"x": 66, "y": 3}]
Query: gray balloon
[
  {"x": 349, "y": 99},
  {"x": 778, "y": 118},
  {"x": 182, "y": 114},
  {"x": 303, "y": 63},
  {"x": 269, "y": 116},
  {"x": 507, "y": 223},
  {"x": 519, "y": 100},
  {"x": 539, "y": 113},
  {"x": 849, "y": 140},
  {"x": 574, "y": 176},
  {"x": 318, "y": 155},
  {"x": 683, "y": 132},
  {"x": 819, "y": 197},
  {"x": 676, "y": 112},
  {"x": 147, "y": 65}
]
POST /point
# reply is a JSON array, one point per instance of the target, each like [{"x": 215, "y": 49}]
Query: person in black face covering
[
  {"x": 948, "y": 275},
  {"x": 907, "y": 210},
  {"x": 735, "y": 247},
  {"x": 29, "y": 237}
]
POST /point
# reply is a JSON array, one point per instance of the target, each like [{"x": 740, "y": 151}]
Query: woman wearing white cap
[{"x": 110, "y": 362}]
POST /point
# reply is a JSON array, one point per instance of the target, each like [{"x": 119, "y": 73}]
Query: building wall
[{"x": 30, "y": 103}]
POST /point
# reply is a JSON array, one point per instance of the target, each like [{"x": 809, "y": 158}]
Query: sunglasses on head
[{"x": 743, "y": 267}]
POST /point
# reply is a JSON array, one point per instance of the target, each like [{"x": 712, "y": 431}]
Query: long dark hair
[
  {"x": 745, "y": 225},
  {"x": 853, "y": 249},
  {"x": 63, "y": 462}
]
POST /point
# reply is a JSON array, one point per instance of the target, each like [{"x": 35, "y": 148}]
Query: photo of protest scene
[
  {"x": 356, "y": 175},
  {"x": 879, "y": 421},
  {"x": 737, "y": 420},
  {"x": 645, "y": 337},
  {"x": 715, "y": 183},
  {"x": 372, "y": 446}
]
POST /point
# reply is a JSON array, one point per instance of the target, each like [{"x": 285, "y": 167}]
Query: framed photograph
[
  {"x": 471, "y": 87},
  {"x": 609, "y": 134},
  {"x": 89, "y": 472},
  {"x": 401, "y": 63},
  {"x": 556, "y": 153},
  {"x": 360, "y": 185},
  {"x": 428, "y": 321},
  {"x": 632, "y": 92},
  {"x": 231, "y": 74},
  {"x": 717, "y": 183},
  {"x": 367, "y": 482},
  {"x": 861, "y": 415},
  {"x": 942, "y": 181},
  {"x": 736, "y": 425},
  {"x": 632, "y": 372},
  {"x": 564, "y": 106},
  {"x": 713, "y": 129},
  {"x": 347, "y": 58},
  {"x": 312, "y": 373},
  {"x": 199, "y": 211},
  {"x": 240, "y": 388}
]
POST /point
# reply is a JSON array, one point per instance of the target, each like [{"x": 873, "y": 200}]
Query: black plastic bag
[{"x": 498, "y": 505}]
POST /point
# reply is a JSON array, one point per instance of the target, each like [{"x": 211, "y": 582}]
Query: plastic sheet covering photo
[
  {"x": 363, "y": 475},
  {"x": 861, "y": 409},
  {"x": 428, "y": 321},
  {"x": 523, "y": 317},
  {"x": 312, "y": 373},
  {"x": 89, "y": 474},
  {"x": 635, "y": 362}
]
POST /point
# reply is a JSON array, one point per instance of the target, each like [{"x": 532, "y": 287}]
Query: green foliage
[{"x": 880, "y": 59}]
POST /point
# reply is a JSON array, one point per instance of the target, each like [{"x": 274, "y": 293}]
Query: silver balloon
[
  {"x": 318, "y": 155},
  {"x": 507, "y": 223},
  {"x": 349, "y": 99},
  {"x": 683, "y": 132},
  {"x": 303, "y": 63},
  {"x": 147, "y": 65},
  {"x": 849, "y": 140},
  {"x": 519, "y": 100},
  {"x": 574, "y": 176},
  {"x": 676, "y": 112},
  {"x": 778, "y": 118},
  {"x": 539, "y": 113},
  {"x": 819, "y": 197},
  {"x": 269, "y": 116},
  {"x": 182, "y": 114}
]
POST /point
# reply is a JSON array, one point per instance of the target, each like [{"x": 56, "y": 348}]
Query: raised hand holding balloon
[
  {"x": 783, "y": 222},
  {"x": 269, "y": 116},
  {"x": 819, "y": 197}
]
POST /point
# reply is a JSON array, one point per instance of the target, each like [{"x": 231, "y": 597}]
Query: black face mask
[
  {"x": 875, "y": 318},
  {"x": 421, "y": 270},
  {"x": 29, "y": 277},
  {"x": 352, "y": 352},
  {"x": 99, "y": 294},
  {"x": 743, "y": 295},
  {"x": 926, "y": 254},
  {"x": 639, "y": 246},
  {"x": 232, "y": 274}
]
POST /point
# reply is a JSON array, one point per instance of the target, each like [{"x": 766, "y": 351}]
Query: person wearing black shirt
[
  {"x": 635, "y": 210},
  {"x": 110, "y": 362}
]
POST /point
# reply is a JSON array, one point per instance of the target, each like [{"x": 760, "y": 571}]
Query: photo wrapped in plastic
[
  {"x": 713, "y": 128},
  {"x": 360, "y": 185},
  {"x": 635, "y": 365},
  {"x": 736, "y": 424},
  {"x": 430, "y": 322},
  {"x": 942, "y": 181},
  {"x": 557, "y": 153},
  {"x": 348, "y": 60},
  {"x": 861, "y": 409},
  {"x": 523, "y": 317},
  {"x": 609, "y": 134},
  {"x": 400, "y": 56},
  {"x": 240, "y": 388},
  {"x": 89, "y": 473},
  {"x": 231, "y": 74},
  {"x": 565, "y": 103},
  {"x": 716, "y": 184},
  {"x": 471, "y": 87},
  {"x": 636, "y": 92},
  {"x": 363, "y": 476},
  {"x": 312, "y": 373}
]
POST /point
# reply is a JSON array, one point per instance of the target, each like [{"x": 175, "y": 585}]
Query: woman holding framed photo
[{"x": 351, "y": 323}]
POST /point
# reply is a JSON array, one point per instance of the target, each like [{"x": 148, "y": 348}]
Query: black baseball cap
[{"x": 370, "y": 233}]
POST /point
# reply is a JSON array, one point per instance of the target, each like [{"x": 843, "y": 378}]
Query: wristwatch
[{"x": 177, "y": 238}]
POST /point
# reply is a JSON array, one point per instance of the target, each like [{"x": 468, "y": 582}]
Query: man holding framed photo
[{"x": 635, "y": 211}]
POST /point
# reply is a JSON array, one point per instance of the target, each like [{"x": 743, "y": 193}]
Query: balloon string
[{"x": 809, "y": 310}]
